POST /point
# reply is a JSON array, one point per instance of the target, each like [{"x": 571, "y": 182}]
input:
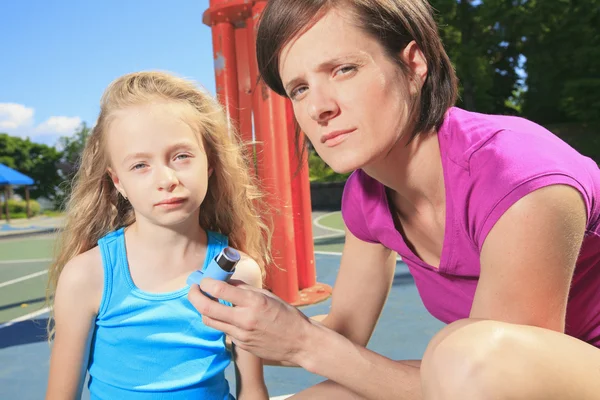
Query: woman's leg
[
  {"x": 481, "y": 359},
  {"x": 327, "y": 390}
]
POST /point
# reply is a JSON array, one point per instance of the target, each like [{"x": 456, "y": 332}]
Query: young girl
[{"x": 163, "y": 187}]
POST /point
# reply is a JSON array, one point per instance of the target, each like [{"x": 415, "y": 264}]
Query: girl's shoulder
[
  {"x": 84, "y": 275},
  {"x": 248, "y": 271}
]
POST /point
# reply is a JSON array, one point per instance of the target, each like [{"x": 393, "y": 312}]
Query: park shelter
[{"x": 10, "y": 177}]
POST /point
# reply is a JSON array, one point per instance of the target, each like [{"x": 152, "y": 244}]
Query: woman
[{"x": 497, "y": 219}]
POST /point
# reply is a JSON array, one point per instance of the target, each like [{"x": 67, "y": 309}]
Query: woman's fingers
[
  {"x": 235, "y": 292},
  {"x": 210, "y": 307}
]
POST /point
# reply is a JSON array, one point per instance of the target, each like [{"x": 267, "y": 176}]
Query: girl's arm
[
  {"x": 76, "y": 304},
  {"x": 250, "y": 383}
]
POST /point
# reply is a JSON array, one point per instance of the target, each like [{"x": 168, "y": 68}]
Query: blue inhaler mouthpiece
[{"x": 220, "y": 268}]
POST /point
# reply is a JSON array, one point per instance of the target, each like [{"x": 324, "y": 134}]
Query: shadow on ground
[
  {"x": 20, "y": 303},
  {"x": 330, "y": 240},
  {"x": 25, "y": 332}
]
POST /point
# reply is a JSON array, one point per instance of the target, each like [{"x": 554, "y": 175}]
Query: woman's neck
[{"x": 414, "y": 174}]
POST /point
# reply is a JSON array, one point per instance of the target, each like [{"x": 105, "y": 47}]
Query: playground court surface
[{"x": 402, "y": 333}]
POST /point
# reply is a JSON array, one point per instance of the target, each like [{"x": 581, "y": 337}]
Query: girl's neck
[
  {"x": 186, "y": 238},
  {"x": 413, "y": 173}
]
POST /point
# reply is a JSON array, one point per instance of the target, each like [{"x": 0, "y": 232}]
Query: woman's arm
[
  {"x": 528, "y": 259},
  {"x": 361, "y": 289},
  {"x": 76, "y": 303},
  {"x": 266, "y": 326},
  {"x": 250, "y": 382}
]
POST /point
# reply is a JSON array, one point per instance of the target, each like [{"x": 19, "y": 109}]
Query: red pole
[
  {"x": 220, "y": 17},
  {"x": 233, "y": 24},
  {"x": 225, "y": 68},
  {"x": 302, "y": 206},
  {"x": 244, "y": 84},
  {"x": 274, "y": 173}
]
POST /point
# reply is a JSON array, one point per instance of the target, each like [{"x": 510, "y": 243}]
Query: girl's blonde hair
[{"x": 232, "y": 204}]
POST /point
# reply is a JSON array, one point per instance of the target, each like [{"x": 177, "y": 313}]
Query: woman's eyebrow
[{"x": 325, "y": 66}]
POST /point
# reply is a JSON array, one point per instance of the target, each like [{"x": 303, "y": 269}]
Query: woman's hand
[{"x": 260, "y": 322}]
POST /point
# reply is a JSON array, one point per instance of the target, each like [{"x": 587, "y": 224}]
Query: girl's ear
[
  {"x": 116, "y": 182},
  {"x": 210, "y": 171}
]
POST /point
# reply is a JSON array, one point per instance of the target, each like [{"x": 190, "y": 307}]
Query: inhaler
[{"x": 220, "y": 268}]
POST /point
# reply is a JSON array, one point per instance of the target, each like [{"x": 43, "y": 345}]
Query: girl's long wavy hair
[{"x": 233, "y": 203}]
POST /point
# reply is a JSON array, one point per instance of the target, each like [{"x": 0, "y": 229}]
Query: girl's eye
[
  {"x": 182, "y": 156},
  {"x": 297, "y": 92},
  {"x": 138, "y": 166}
]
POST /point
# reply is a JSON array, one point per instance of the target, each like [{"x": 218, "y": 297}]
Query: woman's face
[{"x": 348, "y": 95}]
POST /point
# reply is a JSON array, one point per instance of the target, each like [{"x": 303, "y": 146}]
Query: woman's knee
[{"x": 472, "y": 359}]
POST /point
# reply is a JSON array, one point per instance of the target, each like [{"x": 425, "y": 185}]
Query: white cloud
[
  {"x": 63, "y": 125},
  {"x": 18, "y": 120},
  {"x": 15, "y": 116}
]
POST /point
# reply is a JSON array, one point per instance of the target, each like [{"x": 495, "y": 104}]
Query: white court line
[
  {"x": 23, "y": 278},
  {"x": 30, "y": 260},
  {"x": 285, "y": 396},
  {"x": 329, "y": 253},
  {"x": 331, "y": 235},
  {"x": 25, "y": 317},
  {"x": 317, "y": 222}
]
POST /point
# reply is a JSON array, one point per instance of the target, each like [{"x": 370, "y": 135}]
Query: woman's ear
[
  {"x": 413, "y": 57},
  {"x": 115, "y": 180}
]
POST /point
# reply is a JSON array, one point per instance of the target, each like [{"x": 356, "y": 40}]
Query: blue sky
[{"x": 57, "y": 57}]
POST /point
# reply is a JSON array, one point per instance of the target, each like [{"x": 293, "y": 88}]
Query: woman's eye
[
  {"x": 297, "y": 92},
  {"x": 345, "y": 69}
]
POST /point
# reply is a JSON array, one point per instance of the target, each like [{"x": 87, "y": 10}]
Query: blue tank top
[{"x": 153, "y": 345}]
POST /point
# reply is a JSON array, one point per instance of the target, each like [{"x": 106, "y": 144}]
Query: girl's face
[
  {"x": 348, "y": 94},
  {"x": 158, "y": 162}
]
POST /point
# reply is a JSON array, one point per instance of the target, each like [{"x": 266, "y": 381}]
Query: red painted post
[
  {"x": 248, "y": 104},
  {"x": 301, "y": 205},
  {"x": 244, "y": 84},
  {"x": 274, "y": 173},
  {"x": 221, "y": 16}
]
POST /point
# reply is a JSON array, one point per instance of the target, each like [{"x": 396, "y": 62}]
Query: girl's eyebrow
[
  {"x": 133, "y": 156},
  {"x": 325, "y": 66}
]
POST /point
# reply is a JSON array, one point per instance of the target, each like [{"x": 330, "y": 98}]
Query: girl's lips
[{"x": 173, "y": 201}]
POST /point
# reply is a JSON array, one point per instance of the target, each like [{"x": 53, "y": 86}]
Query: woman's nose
[{"x": 322, "y": 107}]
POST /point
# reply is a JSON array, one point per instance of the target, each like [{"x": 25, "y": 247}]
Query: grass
[{"x": 53, "y": 213}]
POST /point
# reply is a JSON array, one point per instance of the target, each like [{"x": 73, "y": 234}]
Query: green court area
[
  {"x": 333, "y": 220},
  {"x": 23, "y": 277},
  {"x": 27, "y": 248}
]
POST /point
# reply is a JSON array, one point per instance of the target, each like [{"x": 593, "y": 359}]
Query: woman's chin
[{"x": 344, "y": 167}]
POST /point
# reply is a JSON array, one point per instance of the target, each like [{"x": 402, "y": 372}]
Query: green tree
[
  {"x": 72, "y": 148},
  {"x": 36, "y": 160},
  {"x": 484, "y": 47},
  {"x": 563, "y": 60}
]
